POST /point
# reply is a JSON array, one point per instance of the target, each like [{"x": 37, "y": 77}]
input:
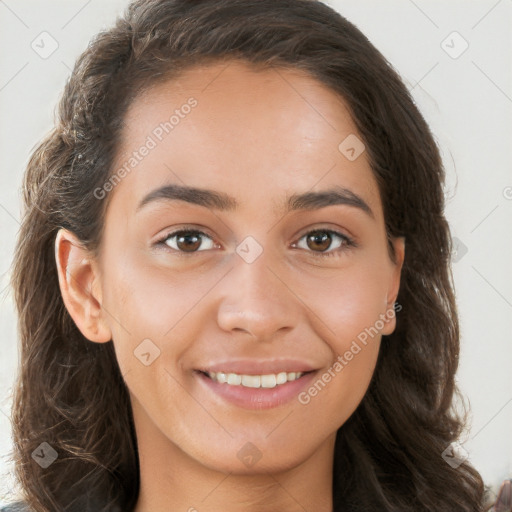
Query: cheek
[
  {"x": 151, "y": 315},
  {"x": 350, "y": 307},
  {"x": 350, "y": 302},
  {"x": 153, "y": 302}
]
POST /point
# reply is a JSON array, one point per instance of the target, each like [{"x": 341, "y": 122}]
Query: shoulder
[{"x": 19, "y": 506}]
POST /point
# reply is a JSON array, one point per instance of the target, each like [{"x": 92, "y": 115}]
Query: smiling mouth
[
  {"x": 266, "y": 381},
  {"x": 256, "y": 391}
]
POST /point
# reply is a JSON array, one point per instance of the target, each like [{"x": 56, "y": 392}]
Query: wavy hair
[{"x": 70, "y": 392}]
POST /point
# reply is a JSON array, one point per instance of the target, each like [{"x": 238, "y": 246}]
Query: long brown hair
[{"x": 70, "y": 392}]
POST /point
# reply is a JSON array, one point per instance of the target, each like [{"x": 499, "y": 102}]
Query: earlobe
[{"x": 80, "y": 288}]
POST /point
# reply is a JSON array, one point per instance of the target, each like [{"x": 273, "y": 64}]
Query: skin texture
[{"x": 259, "y": 136}]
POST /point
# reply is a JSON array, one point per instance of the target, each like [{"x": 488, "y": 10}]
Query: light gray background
[{"x": 466, "y": 100}]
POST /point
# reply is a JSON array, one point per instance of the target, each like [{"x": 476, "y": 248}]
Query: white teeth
[
  {"x": 234, "y": 379},
  {"x": 268, "y": 381},
  {"x": 281, "y": 378},
  {"x": 251, "y": 381},
  {"x": 255, "y": 381}
]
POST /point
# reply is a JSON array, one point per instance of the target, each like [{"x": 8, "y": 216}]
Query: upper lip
[{"x": 258, "y": 367}]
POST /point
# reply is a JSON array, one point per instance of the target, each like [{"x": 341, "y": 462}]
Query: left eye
[{"x": 321, "y": 240}]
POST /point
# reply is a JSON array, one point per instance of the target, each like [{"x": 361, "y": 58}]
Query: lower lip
[{"x": 258, "y": 398}]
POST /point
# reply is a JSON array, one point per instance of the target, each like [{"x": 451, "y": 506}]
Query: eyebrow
[{"x": 223, "y": 202}]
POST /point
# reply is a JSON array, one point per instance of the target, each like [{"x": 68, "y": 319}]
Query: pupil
[
  {"x": 321, "y": 239},
  {"x": 191, "y": 242}
]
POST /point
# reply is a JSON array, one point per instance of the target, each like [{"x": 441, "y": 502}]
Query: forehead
[{"x": 256, "y": 133}]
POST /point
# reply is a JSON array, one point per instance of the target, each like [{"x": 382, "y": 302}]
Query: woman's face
[{"x": 286, "y": 270}]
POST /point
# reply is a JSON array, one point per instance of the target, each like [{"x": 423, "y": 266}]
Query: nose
[{"x": 257, "y": 300}]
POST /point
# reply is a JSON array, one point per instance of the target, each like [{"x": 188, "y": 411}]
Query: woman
[{"x": 233, "y": 278}]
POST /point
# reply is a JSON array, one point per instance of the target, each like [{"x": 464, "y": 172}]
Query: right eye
[{"x": 186, "y": 240}]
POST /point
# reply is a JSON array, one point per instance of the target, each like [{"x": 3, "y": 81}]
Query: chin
[{"x": 262, "y": 455}]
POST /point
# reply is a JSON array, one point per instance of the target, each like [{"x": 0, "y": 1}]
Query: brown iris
[
  {"x": 319, "y": 240},
  {"x": 188, "y": 242}
]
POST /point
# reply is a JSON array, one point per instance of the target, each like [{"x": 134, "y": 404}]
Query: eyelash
[{"x": 347, "y": 241}]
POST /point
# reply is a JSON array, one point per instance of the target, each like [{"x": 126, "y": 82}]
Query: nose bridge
[{"x": 255, "y": 297}]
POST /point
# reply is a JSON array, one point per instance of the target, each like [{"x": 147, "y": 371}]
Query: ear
[
  {"x": 394, "y": 284},
  {"x": 80, "y": 286}
]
